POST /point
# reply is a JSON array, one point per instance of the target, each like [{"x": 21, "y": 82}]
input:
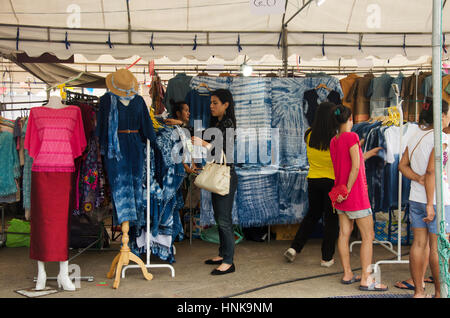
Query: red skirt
[{"x": 50, "y": 207}]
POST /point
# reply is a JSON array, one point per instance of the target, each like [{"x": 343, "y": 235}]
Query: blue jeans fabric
[
  {"x": 391, "y": 186},
  {"x": 418, "y": 211},
  {"x": 375, "y": 168}
]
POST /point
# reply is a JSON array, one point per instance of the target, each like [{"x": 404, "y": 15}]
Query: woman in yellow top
[{"x": 320, "y": 182}]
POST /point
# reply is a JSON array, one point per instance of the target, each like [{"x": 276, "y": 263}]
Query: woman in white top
[{"x": 417, "y": 164}]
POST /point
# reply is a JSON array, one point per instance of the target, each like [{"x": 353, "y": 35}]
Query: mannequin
[
  {"x": 52, "y": 175},
  {"x": 123, "y": 122},
  {"x": 55, "y": 102}
]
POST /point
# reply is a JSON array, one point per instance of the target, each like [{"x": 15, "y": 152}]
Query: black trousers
[
  {"x": 319, "y": 206},
  {"x": 223, "y": 207}
]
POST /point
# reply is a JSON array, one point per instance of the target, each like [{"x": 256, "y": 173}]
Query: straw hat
[{"x": 121, "y": 82}]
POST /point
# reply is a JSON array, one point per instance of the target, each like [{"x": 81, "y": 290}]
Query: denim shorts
[
  {"x": 352, "y": 215},
  {"x": 417, "y": 212}
]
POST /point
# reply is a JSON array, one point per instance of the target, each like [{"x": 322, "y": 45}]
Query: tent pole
[
  {"x": 285, "y": 50},
  {"x": 437, "y": 119}
]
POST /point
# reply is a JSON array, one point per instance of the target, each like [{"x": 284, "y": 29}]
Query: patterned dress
[{"x": 125, "y": 174}]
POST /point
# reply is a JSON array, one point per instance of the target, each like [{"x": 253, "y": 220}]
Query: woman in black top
[{"x": 223, "y": 118}]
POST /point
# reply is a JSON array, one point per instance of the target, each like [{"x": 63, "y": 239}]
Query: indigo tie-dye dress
[{"x": 125, "y": 174}]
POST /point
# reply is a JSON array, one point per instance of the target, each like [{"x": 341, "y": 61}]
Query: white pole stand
[
  {"x": 398, "y": 253},
  {"x": 148, "y": 265}
]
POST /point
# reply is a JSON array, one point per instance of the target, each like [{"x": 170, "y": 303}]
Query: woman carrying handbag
[{"x": 223, "y": 118}]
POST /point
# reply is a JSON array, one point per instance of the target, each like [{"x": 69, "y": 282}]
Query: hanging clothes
[
  {"x": 427, "y": 87},
  {"x": 199, "y": 102},
  {"x": 413, "y": 96},
  {"x": 54, "y": 138},
  {"x": 378, "y": 92},
  {"x": 166, "y": 200},
  {"x": 9, "y": 162},
  {"x": 177, "y": 89},
  {"x": 134, "y": 126},
  {"x": 357, "y": 93},
  {"x": 157, "y": 95},
  {"x": 346, "y": 85},
  {"x": 311, "y": 101},
  {"x": 392, "y": 96},
  {"x": 26, "y": 175}
]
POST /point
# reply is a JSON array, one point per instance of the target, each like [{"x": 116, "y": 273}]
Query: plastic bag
[
  {"x": 18, "y": 240},
  {"x": 212, "y": 234}
]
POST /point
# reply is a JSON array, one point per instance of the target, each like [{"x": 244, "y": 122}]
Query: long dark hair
[
  {"x": 426, "y": 115},
  {"x": 224, "y": 95},
  {"x": 176, "y": 107},
  {"x": 323, "y": 128},
  {"x": 340, "y": 114}
]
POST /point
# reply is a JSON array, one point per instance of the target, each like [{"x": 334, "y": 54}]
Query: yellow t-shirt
[{"x": 320, "y": 164}]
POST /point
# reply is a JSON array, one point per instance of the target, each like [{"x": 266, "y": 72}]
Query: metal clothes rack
[
  {"x": 399, "y": 221},
  {"x": 398, "y": 253},
  {"x": 148, "y": 264}
]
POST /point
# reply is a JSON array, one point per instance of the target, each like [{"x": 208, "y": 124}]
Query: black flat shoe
[
  {"x": 211, "y": 262},
  {"x": 229, "y": 270}
]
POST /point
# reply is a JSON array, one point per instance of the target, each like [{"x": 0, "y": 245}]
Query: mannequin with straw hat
[{"x": 123, "y": 125}]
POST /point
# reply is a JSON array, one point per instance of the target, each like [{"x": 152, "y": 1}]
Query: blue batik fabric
[
  {"x": 293, "y": 196},
  {"x": 252, "y": 97},
  {"x": 288, "y": 117},
  {"x": 213, "y": 83},
  {"x": 165, "y": 201},
  {"x": 257, "y": 197},
  {"x": 125, "y": 174},
  {"x": 288, "y": 114}
]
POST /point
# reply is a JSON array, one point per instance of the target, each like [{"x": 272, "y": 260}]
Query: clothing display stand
[
  {"x": 147, "y": 265},
  {"x": 385, "y": 243},
  {"x": 399, "y": 221}
]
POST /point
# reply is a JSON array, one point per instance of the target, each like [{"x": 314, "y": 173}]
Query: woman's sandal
[{"x": 372, "y": 287}]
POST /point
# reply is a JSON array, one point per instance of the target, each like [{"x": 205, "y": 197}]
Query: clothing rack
[
  {"x": 397, "y": 253},
  {"x": 148, "y": 234},
  {"x": 399, "y": 216}
]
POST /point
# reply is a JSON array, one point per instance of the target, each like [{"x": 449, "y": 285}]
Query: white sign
[{"x": 265, "y": 7}]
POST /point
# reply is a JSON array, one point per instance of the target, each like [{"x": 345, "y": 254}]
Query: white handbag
[{"x": 215, "y": 177}]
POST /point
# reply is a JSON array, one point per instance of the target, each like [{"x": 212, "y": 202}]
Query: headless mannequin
[
  {"x": 63, "y": 276},
  {"x": 55, "y": 102}
]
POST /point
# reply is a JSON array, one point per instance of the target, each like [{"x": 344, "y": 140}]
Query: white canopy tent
[{"x": 199, "y": 29}]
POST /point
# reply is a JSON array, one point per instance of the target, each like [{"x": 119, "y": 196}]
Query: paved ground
[{"x": 258, "y": 265}]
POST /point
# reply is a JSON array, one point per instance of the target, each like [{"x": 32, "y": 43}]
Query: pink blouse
[
  {"x": 54, "y": 138},
  {"x": 358, "y": 198}
]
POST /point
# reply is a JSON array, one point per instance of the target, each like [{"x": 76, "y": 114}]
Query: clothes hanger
[
  {"x": 203, "y": 85},
  {"x": 322, "y": 85}
]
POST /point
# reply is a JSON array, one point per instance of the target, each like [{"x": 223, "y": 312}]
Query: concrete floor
[{"x": 257, "y": 265}]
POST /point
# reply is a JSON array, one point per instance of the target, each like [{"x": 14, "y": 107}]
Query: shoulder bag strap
[{"x": 410, "y": 157}]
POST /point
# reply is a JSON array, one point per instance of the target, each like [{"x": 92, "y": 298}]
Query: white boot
[
  {"x": 42, "y": 276},
  {"x": 63, "y": 277}
]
